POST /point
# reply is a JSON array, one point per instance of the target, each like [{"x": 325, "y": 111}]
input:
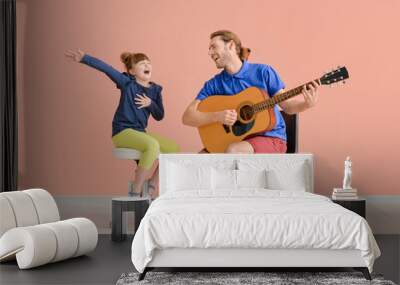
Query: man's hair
[{"x": 228, "y": 36}]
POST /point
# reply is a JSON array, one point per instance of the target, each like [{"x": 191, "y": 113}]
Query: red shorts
[{"x": 263, "y": 144}]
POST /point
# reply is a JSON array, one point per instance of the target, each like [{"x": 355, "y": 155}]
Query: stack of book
[{"x": 344, "y": 194}]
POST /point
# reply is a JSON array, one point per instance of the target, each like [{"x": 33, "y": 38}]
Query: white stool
[
  {"x": 127, "y": 153},
  {"x": 131, "y": 154}
]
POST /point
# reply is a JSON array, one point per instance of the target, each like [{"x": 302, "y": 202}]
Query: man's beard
[{"x": 219, "y": 64}]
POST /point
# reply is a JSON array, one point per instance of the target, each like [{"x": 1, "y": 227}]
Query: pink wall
[{"x": 65, "y": 109}]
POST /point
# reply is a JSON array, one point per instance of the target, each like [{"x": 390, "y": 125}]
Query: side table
[
  {"x": 139, "y": 205},
  {"x": 357, "y": 205}
]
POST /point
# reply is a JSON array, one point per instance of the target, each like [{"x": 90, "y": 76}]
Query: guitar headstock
[{"x": 334, "y": 76}]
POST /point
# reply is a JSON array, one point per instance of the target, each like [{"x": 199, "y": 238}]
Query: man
[{"x": 226, "y": 51}]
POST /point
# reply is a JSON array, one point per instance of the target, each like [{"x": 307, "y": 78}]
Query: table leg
[{"x": 116, "y": 232}]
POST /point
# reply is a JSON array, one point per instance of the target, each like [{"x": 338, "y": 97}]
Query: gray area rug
[{"x": 243, "y": 278}]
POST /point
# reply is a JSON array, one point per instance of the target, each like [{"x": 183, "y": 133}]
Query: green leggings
[{"x": 149, "y": 144}]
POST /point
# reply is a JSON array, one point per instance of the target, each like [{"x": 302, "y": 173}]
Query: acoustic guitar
[{"x": 255, "y": 111}]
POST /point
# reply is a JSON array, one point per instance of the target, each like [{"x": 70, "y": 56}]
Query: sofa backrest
[
  {"x": 283, "y": 163},
  {"x": 26, "y": 208}
]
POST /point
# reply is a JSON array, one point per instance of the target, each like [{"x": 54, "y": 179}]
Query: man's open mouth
[{"x": 147, "y": 72}]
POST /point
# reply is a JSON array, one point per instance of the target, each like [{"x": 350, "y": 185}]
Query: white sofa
[{"x": 31, "y": 230}]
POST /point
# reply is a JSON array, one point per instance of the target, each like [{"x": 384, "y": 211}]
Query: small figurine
[{"x": 347, "y": 174}]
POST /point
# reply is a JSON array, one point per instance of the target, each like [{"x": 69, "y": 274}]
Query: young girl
[{"x": 139, "y": 99}]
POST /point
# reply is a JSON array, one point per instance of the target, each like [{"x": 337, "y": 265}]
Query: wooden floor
[{"x": 110, "y": 260}]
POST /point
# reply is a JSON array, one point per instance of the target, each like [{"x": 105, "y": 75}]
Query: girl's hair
[
  {"x": 227, "y": 36},
  {"x": 129, "y": 59}
]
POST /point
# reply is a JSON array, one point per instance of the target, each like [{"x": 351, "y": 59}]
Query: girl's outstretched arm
[{"x": 119, "y": 78}]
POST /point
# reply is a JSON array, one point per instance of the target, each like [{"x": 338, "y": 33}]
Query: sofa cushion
[
  {"x": 40, "y": 244},
  {"x": 46, "y": 207},
  {"x": 23, "y": 208},
  {"x": 6, "y": 216}
]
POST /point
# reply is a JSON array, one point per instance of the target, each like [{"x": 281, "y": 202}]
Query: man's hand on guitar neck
[
  {"x": 296, "y": 105},
  {"x": 310, "y": 94}
]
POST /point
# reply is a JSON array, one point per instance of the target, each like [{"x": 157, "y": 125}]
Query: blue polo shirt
[{"x": 250, "y": 75}]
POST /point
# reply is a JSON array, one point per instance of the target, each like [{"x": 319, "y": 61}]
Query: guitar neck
[{"x": 271, "y": 102}]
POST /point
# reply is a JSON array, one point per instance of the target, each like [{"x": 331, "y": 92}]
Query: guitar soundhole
[
  {"x": 239, "y": 128},
  {"x": 246, "y": 112}
]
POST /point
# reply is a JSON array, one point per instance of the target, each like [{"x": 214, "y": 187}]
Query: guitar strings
[{"x": 271, "y": 102}]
